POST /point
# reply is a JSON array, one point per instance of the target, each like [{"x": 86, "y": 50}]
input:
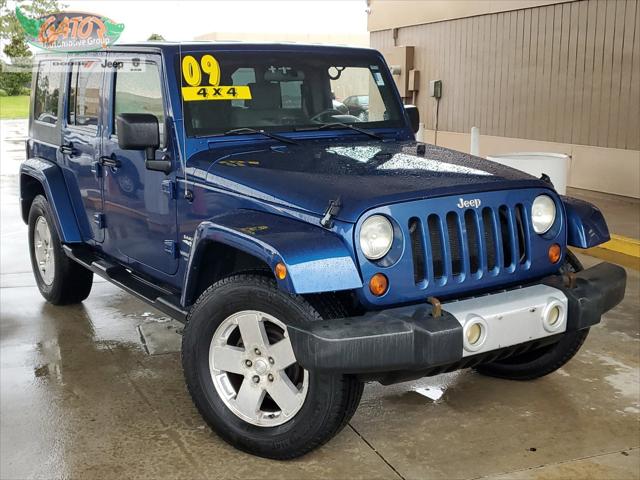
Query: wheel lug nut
[
  {"x": 248, "y": 363},
  {"x": 271, "y": 360},
  {"x": 256, "y": 379},
  {"x": 270, "y": 377},
  {"x": 256, "y": 351}
]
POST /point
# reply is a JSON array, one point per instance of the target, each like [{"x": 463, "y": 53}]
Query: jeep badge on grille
[{"x": 462, "y": 203}]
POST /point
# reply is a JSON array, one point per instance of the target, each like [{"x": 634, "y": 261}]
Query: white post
[
  {"x": 420, "y": 133},
  {"x": 475, "y": 141}
]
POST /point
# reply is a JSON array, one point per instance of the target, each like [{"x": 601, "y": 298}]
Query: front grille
[{"x": 468, "y": 243}]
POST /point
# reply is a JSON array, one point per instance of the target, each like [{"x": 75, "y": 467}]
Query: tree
[
  {"x": 17, "y": 48},
  {"x": 9, "y": 25},
  {"x": 156, "y": 37},
  {"x": 13, "y": 82}
]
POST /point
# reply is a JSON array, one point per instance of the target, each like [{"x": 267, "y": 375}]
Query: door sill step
[{"x": 160, "y": 299}]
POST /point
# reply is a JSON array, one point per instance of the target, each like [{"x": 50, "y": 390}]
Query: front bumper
[{"x": 412, "y": 339}]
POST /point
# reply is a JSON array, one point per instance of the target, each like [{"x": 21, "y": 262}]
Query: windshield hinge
[
  {"x": 332, "y": 210},
  {"x": 98, "y": 220}
]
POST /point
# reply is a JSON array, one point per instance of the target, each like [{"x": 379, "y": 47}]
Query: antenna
[{"x": 188, "y": 194}]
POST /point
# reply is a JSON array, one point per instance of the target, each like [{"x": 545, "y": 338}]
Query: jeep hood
[{"x": 363, "y": 175}]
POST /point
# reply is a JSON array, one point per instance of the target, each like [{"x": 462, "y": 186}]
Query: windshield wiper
[
  {"x": 334, "y": 125},
  {"x": 248, "y": 131}
]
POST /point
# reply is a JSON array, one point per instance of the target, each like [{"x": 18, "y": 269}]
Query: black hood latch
[
  {"x": 332, "y": 210},
  {"x": 546, "y": 179}
]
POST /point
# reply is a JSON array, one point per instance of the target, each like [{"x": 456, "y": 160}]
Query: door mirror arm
[
  {"x": 150, "y": 153},
  {"x": 163, "y": 165}
]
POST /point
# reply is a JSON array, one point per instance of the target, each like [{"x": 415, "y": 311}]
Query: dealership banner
[{"x": 70, "y": 31}]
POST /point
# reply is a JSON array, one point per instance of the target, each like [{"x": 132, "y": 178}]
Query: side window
[
  {"x": 84, "y": 93},
  {"x": 362, "y": 89},
  {"x": 138, "y": 90},
  {"x": 45, "y": 107}
]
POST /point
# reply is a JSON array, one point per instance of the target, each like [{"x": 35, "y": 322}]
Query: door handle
[
  {"x": 110, "y": 162},
  {"x": 67, "y": 149}
]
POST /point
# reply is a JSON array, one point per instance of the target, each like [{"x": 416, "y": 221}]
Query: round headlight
[
  {"x": 376, "y": 237},
  {"x": 543, "y": 214}
]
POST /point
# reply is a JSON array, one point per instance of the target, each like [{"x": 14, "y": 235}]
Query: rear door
[
  {"x": 140, "y": 205},
  {"x": 81, "y": 138}
]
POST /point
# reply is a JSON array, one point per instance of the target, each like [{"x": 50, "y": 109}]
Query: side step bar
[{"x": 120, "y": 276}]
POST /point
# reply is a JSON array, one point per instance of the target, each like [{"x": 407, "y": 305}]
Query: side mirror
[
  {"x": 140, "y": 131},
  {"x": 414, "y": 117}
]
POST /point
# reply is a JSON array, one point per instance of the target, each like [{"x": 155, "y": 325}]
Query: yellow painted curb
[
  {"x": 624, "y": 245},
  {"x": 611, "y": 256}
]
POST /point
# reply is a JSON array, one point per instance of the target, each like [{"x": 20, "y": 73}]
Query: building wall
[
  {"x": 568, "y": 72},
  {"x": 386, "y": 14}
]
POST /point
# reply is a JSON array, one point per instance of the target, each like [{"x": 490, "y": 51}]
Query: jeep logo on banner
[{"x": 70, "y": 31}]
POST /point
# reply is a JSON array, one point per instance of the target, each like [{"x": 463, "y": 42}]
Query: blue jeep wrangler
[{"x": 308, "y": 250}]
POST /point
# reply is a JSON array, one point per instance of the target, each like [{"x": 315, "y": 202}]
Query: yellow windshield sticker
[
  {"x": 201, "y": 81},
  {"x": 191, "y": 94}
]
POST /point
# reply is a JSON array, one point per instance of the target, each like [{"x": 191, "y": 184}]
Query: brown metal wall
[{"x": 566, "y": 73}]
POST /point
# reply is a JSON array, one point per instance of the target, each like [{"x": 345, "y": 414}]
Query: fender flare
[
  {"x": 317, "y": 260},
  {"x": 586, "y": 226},
  {"x": 50, "y": 176}
]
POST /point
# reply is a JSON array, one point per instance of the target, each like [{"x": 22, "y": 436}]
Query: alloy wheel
[{"x": 254, "y": 369}]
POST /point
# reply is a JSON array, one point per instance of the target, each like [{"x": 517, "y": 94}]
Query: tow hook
[
  {"x": 436, "y": 311},
  {"x": 569, "y": 280}
]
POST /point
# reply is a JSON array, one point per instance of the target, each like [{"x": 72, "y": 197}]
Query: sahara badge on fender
[{"x": 195, "y": 87}]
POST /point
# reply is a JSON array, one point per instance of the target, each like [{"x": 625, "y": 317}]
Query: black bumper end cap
[
  {"x": 597, "y": 290},
  {"x": 395, "y": 339}
]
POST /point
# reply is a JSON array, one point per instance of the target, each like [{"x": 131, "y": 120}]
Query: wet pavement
[{"x": 96, "y": 391}]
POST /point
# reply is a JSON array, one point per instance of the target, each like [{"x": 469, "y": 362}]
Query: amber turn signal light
[
  {"x": 280, "y": 271},
  {"x": 554, "y": 253},
  {"x": 378, "y": 284}
]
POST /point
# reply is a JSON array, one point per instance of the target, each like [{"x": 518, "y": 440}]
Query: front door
[
  {"x": 81, "y": 143},
  {"x": 139, "y": 204}
]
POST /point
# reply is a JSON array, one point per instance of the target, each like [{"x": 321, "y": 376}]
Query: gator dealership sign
[{"x": 70, "y": 31}]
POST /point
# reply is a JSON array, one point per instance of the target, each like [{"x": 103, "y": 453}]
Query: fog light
[
  {"x": 475, "y": 333},
  {"x": 553, "y": 315},
  {"x": 378, "y": 284},
  {"x": 554, "y": 253}
]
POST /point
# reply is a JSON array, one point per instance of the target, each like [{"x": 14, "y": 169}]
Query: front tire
[
  {"x": 242, "y": 374},
  {"x": 61, "y": 281},
  {"x": 543, "y": 361}
]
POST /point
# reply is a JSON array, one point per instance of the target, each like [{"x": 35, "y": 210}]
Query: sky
[{"x": 183, "y": 20}]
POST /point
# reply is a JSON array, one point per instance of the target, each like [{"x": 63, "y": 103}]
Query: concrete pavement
[{"x": 96, "y": 391}]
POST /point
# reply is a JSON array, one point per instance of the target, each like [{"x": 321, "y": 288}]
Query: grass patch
[{"x": 14, "y": 107}]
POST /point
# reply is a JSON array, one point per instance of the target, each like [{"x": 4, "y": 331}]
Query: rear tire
[
  {"x": 545, "y": 360},
  {"x": 61, "y": 281},
  {"x": 220, "y": 359}
]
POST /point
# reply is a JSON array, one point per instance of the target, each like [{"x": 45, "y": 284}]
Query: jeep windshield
[{"x": 281, "y": 92}]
